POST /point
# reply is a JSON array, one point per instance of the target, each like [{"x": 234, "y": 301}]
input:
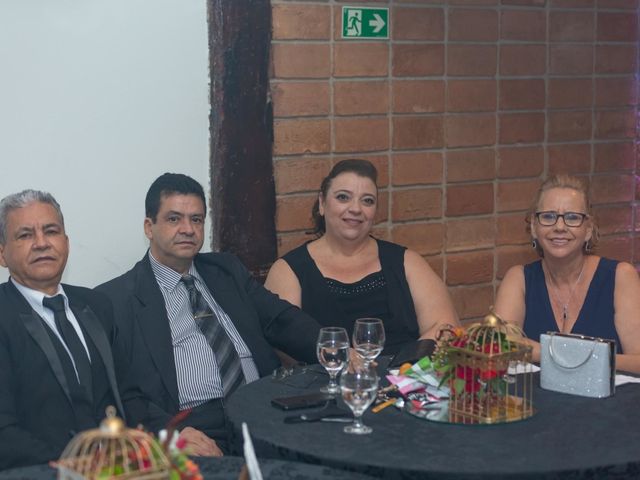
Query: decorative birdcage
[
  {"x": 113, "y": 452},
  {"x": 490, "y": 374}
]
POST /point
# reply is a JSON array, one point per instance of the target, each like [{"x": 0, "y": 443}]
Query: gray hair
[{"x": 21, "y": 200}]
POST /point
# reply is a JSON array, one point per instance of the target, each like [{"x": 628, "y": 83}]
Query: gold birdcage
[
  {"x": 491, "y": 376},
  {"x": 113, "y": 452}
]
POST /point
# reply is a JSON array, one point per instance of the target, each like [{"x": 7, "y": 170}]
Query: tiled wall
[{"x": 464, "y": 110}]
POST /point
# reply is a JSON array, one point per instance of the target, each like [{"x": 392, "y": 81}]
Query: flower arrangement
[{"x": 116, "y": 452}]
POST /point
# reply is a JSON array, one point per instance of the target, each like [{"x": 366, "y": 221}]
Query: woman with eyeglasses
[{"x": 570, "y": 289}]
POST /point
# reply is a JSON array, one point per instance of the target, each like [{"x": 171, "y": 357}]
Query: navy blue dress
[{"x": 596, "y": 318}]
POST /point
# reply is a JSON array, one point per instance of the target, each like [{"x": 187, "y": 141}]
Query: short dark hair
[
  {"x": 169, "y": 184},
  {"x": 362, "y": 168}
]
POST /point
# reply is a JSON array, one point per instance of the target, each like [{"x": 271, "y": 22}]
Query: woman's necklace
[{"x": 565, "y": 305}]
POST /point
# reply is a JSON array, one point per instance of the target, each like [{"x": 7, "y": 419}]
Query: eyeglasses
[{"x": 571, "y": 219}]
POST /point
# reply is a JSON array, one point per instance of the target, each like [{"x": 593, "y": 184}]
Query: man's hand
[{"x": 197, "y": 443}]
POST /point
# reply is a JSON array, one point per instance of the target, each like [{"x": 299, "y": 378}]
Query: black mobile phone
[{"x": 301, "y": 401}]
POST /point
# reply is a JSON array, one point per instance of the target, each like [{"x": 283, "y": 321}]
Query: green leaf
[{"x": 458, "y": 385}]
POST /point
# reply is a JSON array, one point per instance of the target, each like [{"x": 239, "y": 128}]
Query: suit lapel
[
  {"x": 96, "y": 333},
  {"x": 151, "y": 313},
  {"x": 36, "y": 328}
]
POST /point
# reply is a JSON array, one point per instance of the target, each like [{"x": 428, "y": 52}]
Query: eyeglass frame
[{"x": 583, "y": 217}]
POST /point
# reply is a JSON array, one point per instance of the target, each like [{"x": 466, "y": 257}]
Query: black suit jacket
[
  {"x": 36, "y": 413},
  {"x": 262, "y": 319}
]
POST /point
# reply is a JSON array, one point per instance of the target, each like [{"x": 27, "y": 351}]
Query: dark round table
[
  {"x": 569, "y": 437},
  {"x": 225, "y": 468}
]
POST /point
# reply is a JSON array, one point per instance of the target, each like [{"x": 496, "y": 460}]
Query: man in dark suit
[
  {"x": 56, "y": 367},
  {"x": 196, "y": 326}
]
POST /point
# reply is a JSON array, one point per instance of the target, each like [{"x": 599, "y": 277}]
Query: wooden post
[{"x": 241, "y": 128}]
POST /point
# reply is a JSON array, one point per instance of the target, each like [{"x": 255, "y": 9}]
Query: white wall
[{"x": 97, "y": 99}]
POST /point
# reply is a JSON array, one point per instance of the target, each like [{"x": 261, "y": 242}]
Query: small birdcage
[
  {"x": 113, "y": 452},
  {"x": 491, "y": 377}
]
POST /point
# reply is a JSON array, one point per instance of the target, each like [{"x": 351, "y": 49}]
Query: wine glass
[
  {"x": 359, "y": 389},
  {"x": 332, "y": 349},
  {"x": 368, "y": 338}
]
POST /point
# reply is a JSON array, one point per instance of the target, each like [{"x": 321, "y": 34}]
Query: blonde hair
[{"x": 574, "y": 183}]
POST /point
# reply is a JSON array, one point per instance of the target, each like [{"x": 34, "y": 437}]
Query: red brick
[
  {"x": 573, "y": 158},
  {"x": 569, "y": 126},
  {"x": 471, "y": 95},
  {"x": 521, "y": 128},
  {"x": 472, "y": 25},
  {"x": 615, "y": 124},
  {"x": 512, "y": 229},
  {"x": 413, "y": 132},
  {"x": 426, "y": 2},
  {"x": 520, "y": 162},
  {"x": 437, "y": 264},
  {"x": 416, "y": 204},
  {"x": 570, "y": 59},
  {"x": 523, "y": 60},
  {"x": 301, "y": 22},
  {"x": 471, "y": 165},
  {"x": 614, "y": 219},
  {"x": 469, "y": 199},
  {"x": 424, "y": 238},
  {"x": 294, "y": 212},
  {"x": 572, "y": 3},
  {"x": 361, "y": 134},
  {"x": 292, "y": 99},
  {"x": 289, "y": 241},
  {"x": 509, "y": 256},
  {"x": 468, "y": 3},
  {"x": 469, "y": 233},
  {"x": 522, "y": 94},
  {"x": 570, "y": 92},
  {"x": 417, "y": 23},
  {"x": 360, "y": 59},
  {"x": 616, "y": 59},
  {"x": 621, "y": 4},
  {"x": 471, "y": 60},
  {"x": 300, "y": 60},
  {"x": 418, "y": 96},
  {"x": 473, "y": 301},
  {"x": 617, "y": 27},
  {"x": 614, "y": 156},
  {"x": 417, "y": 168},
  {"x": 616, "y": 92},
  {"x": 470, "y": 130},
  {"x": 516, "y": 195},
  {"x": 300, "y": 174},
  {"x": 525, "y": 3},
  {"x": 357, "y": 98},
  {"x": 301, "y": 136},
  {"x": 469, "y": 268},
  {"x": 414, "y": 60},
  {"x": 612, "y": 188},
  {"x": 523, "y": 25},
  {"x": 617, "y": 247},
  {"x": 571, "y": 26}
]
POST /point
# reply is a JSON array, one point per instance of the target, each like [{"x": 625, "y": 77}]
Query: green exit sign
[{"x": 365, "y": 22}]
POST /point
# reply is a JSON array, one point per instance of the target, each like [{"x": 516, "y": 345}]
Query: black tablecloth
[
  {"x": 569, "y": 437},
  {"x": 225, "y": 468}
]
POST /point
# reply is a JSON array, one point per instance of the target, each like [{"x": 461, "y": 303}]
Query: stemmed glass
[
  {"x": 359, "y": 389},
  {"x": 333, "y": 354},
  {"x": 368, "y": 338}
]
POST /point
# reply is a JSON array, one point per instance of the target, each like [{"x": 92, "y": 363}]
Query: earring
[
  {"x": 534, "y": 244},
  {"x": 588, "y": 247}
]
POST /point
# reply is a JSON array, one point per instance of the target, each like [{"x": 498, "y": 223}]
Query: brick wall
[{"x": 464, "y": 110}]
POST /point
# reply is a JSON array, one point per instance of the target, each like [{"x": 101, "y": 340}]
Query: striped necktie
[{"x": 217, "y": 337}]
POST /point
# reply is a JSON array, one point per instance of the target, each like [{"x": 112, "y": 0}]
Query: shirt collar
[
  {"x": 34, "y": 297},
  {"x": 167, "y": 277}
]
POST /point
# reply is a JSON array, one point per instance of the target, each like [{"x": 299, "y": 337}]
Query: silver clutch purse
[{"x": 577, "y": 364}]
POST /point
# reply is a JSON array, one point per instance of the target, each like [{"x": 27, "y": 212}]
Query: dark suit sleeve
[
  {"x": 284, "y": 325},
  {"x": 17, "y": 446}
]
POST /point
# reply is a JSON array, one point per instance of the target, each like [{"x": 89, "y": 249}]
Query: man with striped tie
[{"x": 196, "y": 326}]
